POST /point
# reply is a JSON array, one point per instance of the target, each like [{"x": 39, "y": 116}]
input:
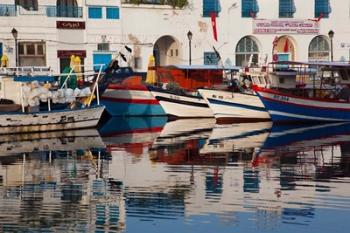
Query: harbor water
[{"x": 150, "y": 175}]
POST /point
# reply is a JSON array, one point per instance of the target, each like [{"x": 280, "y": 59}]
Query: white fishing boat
[
  {"x": 34, "y": 102},
  {"x": 239, "y": 103},
  {"x": 236, "y": 107},
  {"x": 179, "y": 97},
  {"x": 181, "y": 105}
]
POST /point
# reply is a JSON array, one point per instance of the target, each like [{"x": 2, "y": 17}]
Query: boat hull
[
  {"x": 179, "y": 106},
  {"x": 50, "y": 121},
  {"x": 287, "y": 108},
  {"x": 231, "y": 107},
  {"x": 131, "y": 101}
]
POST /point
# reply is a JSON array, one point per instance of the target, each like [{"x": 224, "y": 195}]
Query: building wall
[
  {"x": 140, "y": 27},
  {"x": 231, "y": 27}
]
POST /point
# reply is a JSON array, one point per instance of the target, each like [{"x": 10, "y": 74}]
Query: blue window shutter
[
  {"x": 95, "y": 12},
  {"x": 322, "y": 8},
  {"x": 101, "y": 58},
  {"x": 112, "y": 13},
  {"x": 249, "y": 8},
  {"x": 0, "y": 50},
  {"x": 286, "y": 8},
  {"x": 210, "y": 6}
]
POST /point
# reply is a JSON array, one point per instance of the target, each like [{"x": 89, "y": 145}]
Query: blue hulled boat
[{"x": 303, "y": 92}]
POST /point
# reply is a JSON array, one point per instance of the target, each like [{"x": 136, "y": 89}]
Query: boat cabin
[
  {"x": 193, "y": 77},
  {"x": 283, "y": 79},
  {"x": 311, "y": 79},
  {"x": 257, "y": 76}
]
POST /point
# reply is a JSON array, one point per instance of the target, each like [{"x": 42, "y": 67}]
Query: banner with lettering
[{"x": 285, "y": 26}]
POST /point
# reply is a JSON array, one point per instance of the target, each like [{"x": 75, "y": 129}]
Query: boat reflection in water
[
  {"x": 237, "y": 137},
  {"x": 316, "y": 147},
  {"x": 50, "y": 141},
  {"x": 182, "y": 184},
  {"x": 133, "y": 134}
]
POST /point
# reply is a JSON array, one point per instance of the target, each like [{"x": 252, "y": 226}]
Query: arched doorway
[
  {"x": 284, "y": 49},
  {"x": 319, "y": 49},
  {"x": 247, "y": 52},
  {"x": 166, "y": 51},
  {"x": 67, "y": 8}
]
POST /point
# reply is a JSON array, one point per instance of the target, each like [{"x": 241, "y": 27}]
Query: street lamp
[
  {"x": 189, "y": 36},
  {"x": 14, "y": 33},
  {"x": 331, "y": 35}
]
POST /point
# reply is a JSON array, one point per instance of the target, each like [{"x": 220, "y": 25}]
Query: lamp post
[
  {"x": 331, "y": 35},
  {"x": 189, "y": 36},
  {"x": 14, "y": 33}
]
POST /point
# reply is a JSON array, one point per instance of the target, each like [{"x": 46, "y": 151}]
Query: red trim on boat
[
  {"x": 127, "y": 87},
  {"x": 307, "y": 106},
  {"x": 270, "y": 91}
]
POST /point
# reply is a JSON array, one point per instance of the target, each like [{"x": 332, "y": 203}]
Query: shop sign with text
[{"x": 70, "y": 25}]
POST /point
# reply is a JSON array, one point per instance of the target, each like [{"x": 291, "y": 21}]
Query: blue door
[
  {"x": 283, "y": 56},
  {"x": 101, "y": 58},
  {"x": 0, "y": 50}
]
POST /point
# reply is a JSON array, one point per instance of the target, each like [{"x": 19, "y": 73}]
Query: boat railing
[
  {"x": 26, "y": 70},
  {"x": 94, "y": 92},
  {"x": 76, "y": 70},
  {"x": 87, "y": 73},
  {"x": 331, "y": 93}
]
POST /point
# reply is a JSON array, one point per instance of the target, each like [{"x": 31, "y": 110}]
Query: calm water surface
[{"x": 146, "y": 175}]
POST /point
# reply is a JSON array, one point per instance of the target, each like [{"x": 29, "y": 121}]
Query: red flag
[
  {"x": 286, "y": 46},
  {"x": 213, "y": 23}
]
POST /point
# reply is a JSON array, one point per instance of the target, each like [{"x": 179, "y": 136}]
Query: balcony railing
[
  {"x": 7, "y": 10},
  {"x": 39, "y": 10},
  {"x": 63, "y": 11},
  {"x": 160, "y": 2},
  {"x": 50, "y": 11},
  {"x": 173, "y": 3}
]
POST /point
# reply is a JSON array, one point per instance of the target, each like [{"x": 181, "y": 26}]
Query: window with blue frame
[
  {"x": 250, "y": 8},
  {"x": 211, "y": 6},
  {"x": 112, "y": 13},
  {"x": 95, "y": 12},
  {"x": 322, "y": 8},
  {"x": 286, "y": 9},
  {"x": 210, "y": 58}
]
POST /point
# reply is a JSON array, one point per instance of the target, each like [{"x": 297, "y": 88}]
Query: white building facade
[{"x": 247, "y": 31}]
